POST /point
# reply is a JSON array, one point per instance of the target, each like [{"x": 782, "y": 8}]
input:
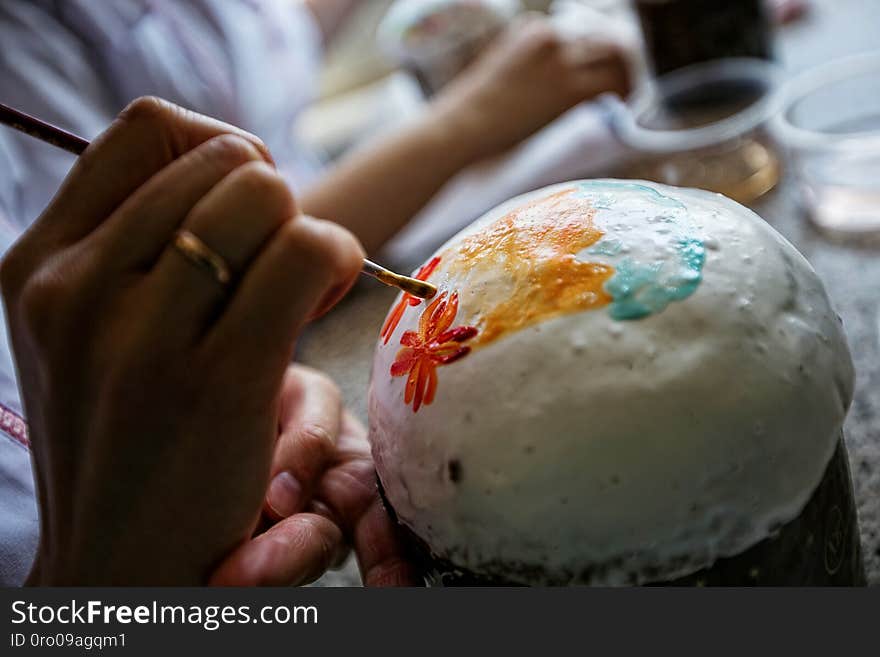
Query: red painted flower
[
  {"x": 434, "y": 344},
  {"x": 407, "y": 300}
]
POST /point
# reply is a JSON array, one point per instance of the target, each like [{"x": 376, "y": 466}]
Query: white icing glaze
[{"x": 592, "y": 449}]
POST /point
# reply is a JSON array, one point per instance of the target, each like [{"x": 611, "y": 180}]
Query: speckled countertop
[{"x": 342, "y": 343}]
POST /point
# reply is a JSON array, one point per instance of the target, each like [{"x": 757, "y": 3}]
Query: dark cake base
[{"x": 820, "y": 547}]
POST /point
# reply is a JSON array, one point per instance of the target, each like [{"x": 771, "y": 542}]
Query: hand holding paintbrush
[
  {"x": 160, "y": 403},
  {"x": 190, "y": 245}
]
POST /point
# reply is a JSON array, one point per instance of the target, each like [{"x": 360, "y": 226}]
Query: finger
[
  {"x": 321, "y": 509},
  {"x": 603, "y": 71},
  {"x": 583, "y": 52},
  {"x": 310, "y": 415},
  {"x": 148, "y": 135},
  {"x": 526, "y": 22},
  {"x": 348, "y": 487},
  {"x": 294, "y": 552},
  {"x": 349, "y": 490},
  {"x": 306, "y": 265},
  {"x": 383, "y": 557},
  {"x": 342, "y": 560},
  {"x": 234, "y": 220},
  {"x": 144, "y": 224}
]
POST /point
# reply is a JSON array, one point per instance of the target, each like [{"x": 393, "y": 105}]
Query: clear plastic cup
[
  {"x": 828, "y": 120},
  {"x": 704, "y": 126}
]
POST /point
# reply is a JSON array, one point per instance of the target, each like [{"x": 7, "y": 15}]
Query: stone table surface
[{"x": 342, "y": 343}]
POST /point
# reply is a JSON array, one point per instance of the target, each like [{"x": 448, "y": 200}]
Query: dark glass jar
[{"x": 683, "y": 32}]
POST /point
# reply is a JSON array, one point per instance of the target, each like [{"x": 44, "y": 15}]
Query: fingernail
[{"x": 284, "y": 494}]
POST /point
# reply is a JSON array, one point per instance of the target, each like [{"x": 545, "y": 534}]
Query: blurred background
[{"x": 726, "y": 127}]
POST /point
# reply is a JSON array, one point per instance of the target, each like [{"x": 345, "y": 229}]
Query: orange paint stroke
[{"x": 536, "y": 246}]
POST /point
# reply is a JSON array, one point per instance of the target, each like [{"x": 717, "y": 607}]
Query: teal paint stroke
[
  {"x": 590, "y": 187},
  {"x": 639, "y": 289},
  {"x": 606, "y": 246}
]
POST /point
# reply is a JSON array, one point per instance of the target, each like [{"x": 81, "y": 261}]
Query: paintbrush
[{"x": 30, "y": 125}]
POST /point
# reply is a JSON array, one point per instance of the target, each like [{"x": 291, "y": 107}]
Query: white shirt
[{"x": 77, "y": 63}]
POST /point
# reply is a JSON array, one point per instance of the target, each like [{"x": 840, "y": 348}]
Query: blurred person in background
[{"x": 253, "y": 64}]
